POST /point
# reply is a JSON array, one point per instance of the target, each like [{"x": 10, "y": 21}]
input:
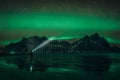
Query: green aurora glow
[
  {"x": 69, "y": 25},
  {"x": 57, "y": 21}
]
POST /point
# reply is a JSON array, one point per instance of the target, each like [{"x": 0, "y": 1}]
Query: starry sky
[{"x": 59, "y": 18}]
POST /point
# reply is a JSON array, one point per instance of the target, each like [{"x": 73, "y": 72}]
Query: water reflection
[{"x": 63, "y": 66}]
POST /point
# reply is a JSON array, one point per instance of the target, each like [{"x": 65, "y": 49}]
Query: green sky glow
[
  {"x": 14, "y": 26},
  {"x": 61, "y": 19},
  {"x": 57, "y": 21},
  {"x": 115, "y": 41}
]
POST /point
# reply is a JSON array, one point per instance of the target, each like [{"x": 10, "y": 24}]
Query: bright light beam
[
  {"x": 43, "y": 44},
  {"x": 40, "y": 46},
  {"x": 31, "y": 68}
]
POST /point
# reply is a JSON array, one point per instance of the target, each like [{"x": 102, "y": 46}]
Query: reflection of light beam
[
  {"x": 12, "y": 53},
  {"x": 41, "y": 45},
  {"x": 36, "y": 48},
  {"x": 31, "y": 68}
]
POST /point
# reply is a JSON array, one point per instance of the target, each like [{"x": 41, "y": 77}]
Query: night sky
[{"x": 59, "y": 18}]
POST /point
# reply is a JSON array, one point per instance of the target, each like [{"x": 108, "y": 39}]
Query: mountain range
[{"x": 93, "y": 43}]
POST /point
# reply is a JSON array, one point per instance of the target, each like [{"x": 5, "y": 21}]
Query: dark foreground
[{"x": 12, "y": 72}]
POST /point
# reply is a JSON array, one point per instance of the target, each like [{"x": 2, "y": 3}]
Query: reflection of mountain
[
  {"x": 92, "y": 63},
  {"x": 93, "y": 43}
]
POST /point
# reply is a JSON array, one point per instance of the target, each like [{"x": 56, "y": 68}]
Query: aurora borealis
[{"x": 64, "y": 18}]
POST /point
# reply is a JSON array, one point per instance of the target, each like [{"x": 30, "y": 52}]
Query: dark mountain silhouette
[
  {"x": 58, "y": 46},
  {"x": 28, "y": 44},
  {"x": 93, "y": 43},
  {"x": 25, "y": 44},
  {"x": 17, "y": 47}
]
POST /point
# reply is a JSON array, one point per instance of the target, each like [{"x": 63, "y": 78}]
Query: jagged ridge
[{"x": 93, "y": 43}]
